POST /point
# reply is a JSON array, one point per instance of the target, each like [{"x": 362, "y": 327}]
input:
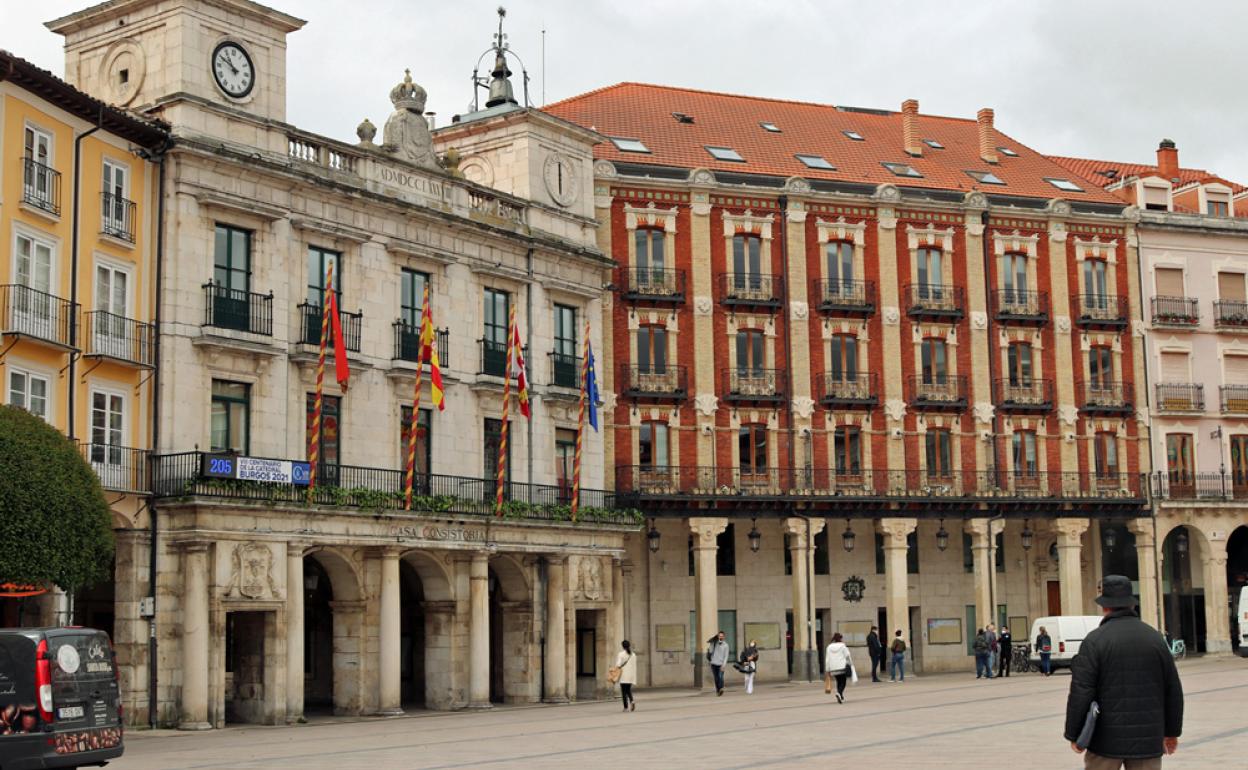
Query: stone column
[
  {"x": 294, "y": 632},
  {"x": 1145, "y": 558},
  {"x": 479, "y": 632},
  {"x": 195, "y": 638},
  {"x": 554, "y": 669},
  {"x": 896, "y": 582},
  {"x": 705, "y": 530},
  {"x": 616, "y": 613},
  {"x": 801, "y": 552},
  {"x": 390, "y": 663},
  {"x": 978, "y": 529},
  {"x": 1217, "y": 619},
  {"x": 1070, "y": 572}
]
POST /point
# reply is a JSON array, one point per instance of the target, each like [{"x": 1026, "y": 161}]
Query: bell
[{"x": 500, "y": 86}]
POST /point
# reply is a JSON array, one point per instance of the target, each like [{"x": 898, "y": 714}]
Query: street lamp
[
  {"x": 942, "y": 536},
  {"x": 1027, "y": 534},
  {"x": 847, "y": 538},
  {"x": 652, "y": 537},
  {"x": 756, "y": 538},
  {"x": 1180, "y": 540},
  {"x": 1110, "y": 536}
]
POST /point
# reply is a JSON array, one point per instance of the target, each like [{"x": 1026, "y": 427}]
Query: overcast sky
[{"x": 1095, "y": 78}]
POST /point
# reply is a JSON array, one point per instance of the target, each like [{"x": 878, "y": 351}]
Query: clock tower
[{"x": 167, "y": 56}]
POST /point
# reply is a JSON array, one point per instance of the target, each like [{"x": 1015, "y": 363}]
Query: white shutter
[
  {"x": 1231, "y": 287},
  {"x": 1236, "y": 370},
  {"x": 1174, "y": 368},
  {"x": 1169, "y": 282},
  {"x": 1156, "y": 197}
]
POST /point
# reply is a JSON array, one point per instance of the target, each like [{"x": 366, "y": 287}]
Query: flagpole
[
  {"x": 502, "y": 442},
  {"x": 314, "y": 448},
  {"x": 580, "y": 427},
  {"x": 411, "y": 431}
]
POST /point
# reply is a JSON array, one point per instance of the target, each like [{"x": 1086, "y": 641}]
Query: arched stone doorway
[
  {"x": 1184, "y": 552},
  {"x": 513, "y": 677},
  {"x": 1236, "y": 581},
  {"x": 426, "y": 646},
  {"x": 333, "y": 634}
]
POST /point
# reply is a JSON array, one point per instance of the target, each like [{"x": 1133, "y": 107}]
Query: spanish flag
[
  {"x": 429, "y": 352},
  {"x": 522, "y": 380}
]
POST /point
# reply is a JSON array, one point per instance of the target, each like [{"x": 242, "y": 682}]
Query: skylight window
[
  {"x": 903, "y": 169},
  {"x": 1007, "y": 152},
  {"x": 857, "y": 137},
  {"x": 724, "y": 153},
  {"x": 1064, "y": 184},
  {"x": 772, "y": 127},
  {"x": 935, "y": 145},
  {"x": 682, "y": 117},
  {"x": 985, "y": 177},
  {"x": 629, "y": 145},
  {"x": 816, "y": 161}
]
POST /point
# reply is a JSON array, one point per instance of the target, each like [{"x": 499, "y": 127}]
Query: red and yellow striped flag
[
  {"x": 522, "y": 379},
  {"x": 429, "y": 352}
]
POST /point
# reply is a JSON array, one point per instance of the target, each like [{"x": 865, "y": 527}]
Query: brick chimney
[
  {"x": 987, "y": 137},
  {"x": 910, "y": 127},
  {"x": 1168, "y": 160}
]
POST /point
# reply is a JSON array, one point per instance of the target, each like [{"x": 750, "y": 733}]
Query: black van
[{"x": 60, "y": 703}]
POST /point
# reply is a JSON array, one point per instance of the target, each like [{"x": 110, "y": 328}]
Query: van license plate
[{"x": 69, "y": 712}]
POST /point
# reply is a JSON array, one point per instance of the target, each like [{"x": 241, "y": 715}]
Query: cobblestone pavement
[{"x": 939, "y": 721}]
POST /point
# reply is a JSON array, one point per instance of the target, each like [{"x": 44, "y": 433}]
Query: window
[
  {"x": 493, "y": 440},
  {"x": 652, "y": 349},
  {"x": 752, "y": 448},
  {"x": 726, "y": 552},
  {"x": 231, "y": 417},
  {"x": 319, "y": 262},
  {"x": 839, "y": 260},
  {"x": 857, "y": 137},
  {"x": 772, "y": 127},
  {"x": 34, "y": 271},
  {"x": 1101, "y": 367},
  {"x": 1095, "y": 282},
  {"x": 724, "y": 153},
  {"x": 847, "y": 450},
  {"x": 38, "y": 146},
  {"x": 650, "y": 255},
  {"x": 1239, "y": 462},
  {"x": 497, "y": 307},
  {"x": 629, "y": 145},
  {"x": 816, "y": 161},
  {"x": 750, "y": 353},
  {"x": 232, "y": 258},
  {"x": 565, "y": 454},
  {"x": 1169, "y": 281},
  {"x": 412, "y": 285},
  {"x": 652, "y": 445},
  {"x": 934, "y": 361},
  {"x": 1006, "y": 151},
  {"x": 1156, "y": 197},
  {"x": 566, "y": 373},
  {"x": 331, "y": 437},
  {"x": 115, "y": 206},
  {"x": 424, "y": 444},
  {"x": 985, "y": 177},
  {"x": 1217, "y": 208},
  {"x": 110, "y": 330},
  {"x": 1064, "y": 184},
  {"x": 938, "y": 446},
  {"x": 1014, "y": 275},
  {"x": 1024, "y": 453},
  {"x": 843, "y": 363},
  {"x": 108, "y": 427},
  {"x": 38, "y": 179},
  {"x": 1179, "y": 458},
  {"x": 1231, "y": 287},
  {"x": 29, "y": 391},
  {"x": 1018, "y": 362},
  {"x": 747, "y": 262},
  {"x": 931, "y": 276},
  {"x": 935, "y": 145},
  {"x": 1105, "y": 448},
  {"x": 902, "y": 169}
]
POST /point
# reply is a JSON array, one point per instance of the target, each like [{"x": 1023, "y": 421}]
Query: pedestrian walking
[
  {"x": 994, "y": 648},
  {"x": 875, "y": 648},
  {"x": 897, "y": 647},
  {"x": 717, "y": 656},
  {"x": 1044, "y": 646},
  {"x": 980, "y": 648},
  {"x": 747, "y": 664},
  {"x": 1007, "y": 651},
  {"x": 626, "y": 664},
  {"x": 1125, "y": 669},
  {"x": 838, "y": 666}
]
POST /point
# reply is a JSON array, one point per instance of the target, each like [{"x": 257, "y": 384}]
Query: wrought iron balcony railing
[
  {"x": 1189, "y": 485},
  {"x": 1180, "y": 397},
  {"x": 1176, "y": 311},
  {"x": 243, "y": 311},
  {"x": 120, "y": 469},
  {"x": 751, "y": 384},
  {"x": 1230, "y": 314},
  {"x": 946, "y": 391},
  {"x": 1101, "y": 310},
  {"x": 105, "y": 335},
  {"x": 407, "y": 343},
  {"x": 1018, "y": 395},
  {"x": 651, "y": 382},
  {"x": 845, "y": 298},
  {"x": 1107, "y": 397},
  {"x": 654, "y": 285},
  {"x": 838, "y": 389},
  {"x": 41, "y": 186},
  {"x": 935, "y": 300},
  {"x": 565, "y": 370},
  {"x": 310, "y": 322},
  {"x": 1234, "y": 398},
  {"x": 753, "y": 289},
  {"x": 117, "y": 217},
  {"x": 36, "y": 314},
  {"x": 1020, "y": 306}
]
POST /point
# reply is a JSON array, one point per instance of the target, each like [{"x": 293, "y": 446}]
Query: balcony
[
  {"x": 1020, "y": 396},
  {"x": 1234, "y": 399},
  {"x": 1186, "y": 485},
  {"x": 239, "y": 310},
  {"x": 1176, "y": 312},
  {"x": 1104, "y": 311},
  {"x": 1180, "y": 397},
  {"x": 118, "y": 338},
  {"x": 845, "y": 298},
  {"x": 117, "y": 217},
  {"x": 1107, "y": 397},
  {"x": 849, "y": 391},
  {"x": 36, "y": 315},
  {"x": 184, "y": 475},
  {"x": 1021, "y": 307},
  {"x": 643, "y": 284},
  {"x": 946, "y": 391},
  {"x": 493, "y": 358},
  {"x": 1230, "y": 314},
  {"x": 41, "y": 187},
  {"x": 751, "y": 290},
  {"x": 310, "y": 324},
  {"x": 120, "y": 469},
  {"x": 756, "y": 385},
  {"x": 935, "y": 301},
  {"x": 407, "y": 343},
  {"x": 661, "y": 384},
  {"x": 565, "y": 370}
]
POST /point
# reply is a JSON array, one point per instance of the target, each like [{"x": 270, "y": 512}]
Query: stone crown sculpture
[
  {"x": 406, "y": 134},
  {"x": 408, "y": 95}
]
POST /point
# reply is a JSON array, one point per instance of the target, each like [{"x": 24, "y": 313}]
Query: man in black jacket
[
  {"x": 1125, "y": 666},
  {"x": 875, "y": 648}
]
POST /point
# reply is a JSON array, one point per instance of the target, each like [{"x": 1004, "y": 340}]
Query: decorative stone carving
[
  {"x": 1062, "y": 323},
  {"x": 589, "y": 583},
  {"x": 895, "y": 531},
  {"x": 1057, "y": 232},
  {"x": 1141, "y": 415},
  {"x": 887, "y": 219},
  {"x": 1059, "y": 208},
  {"x": 895, "y": 409},
  {"x": 799, "y": 311},
  {"x": 251, "y": 572},
  {"x": 984, "y": 411},
  {"x": 450, "y": 162},
  {"x": 366, "y": 131},
  {"x": 702, "y": 176},
  {"x": 703, "y": 305},
  {"x": 608, "y": 401},
  {"x": 979, "y": 319},
  {"x": 887, "y": 192},
  {"x": 706, "y": 404},
  {"x": 1069, "y": 531},
  {"x": 1131, "y": 213},
  {"x": 975, "y": 200},
  {"x": 1069, "y": 415},
  {"x": 797, "y": 184},
  {"x": 803, "y": 407},
  {"x": 407, "y": 134},
  {"x": 1137, "y": 327},
  {"x": 975, "y": 229},
  {"x": 604, "y": 169},
  {"x": 892, "y": 316}
]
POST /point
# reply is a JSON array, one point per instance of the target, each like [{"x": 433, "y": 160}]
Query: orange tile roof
[
  {"x": 1090, "y": 170},
  {"x": 642, "y": 111}
]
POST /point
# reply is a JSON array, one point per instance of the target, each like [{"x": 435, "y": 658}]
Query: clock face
[
  {"x": 232, "y": 69},
  {"x": 561, "y": 182}
]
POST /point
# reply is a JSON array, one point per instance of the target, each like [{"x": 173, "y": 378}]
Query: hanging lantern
[
  {"x": 756, "y": 537},
  {"x": 1109, "y": 536},
  {"x": 652, "y": 537},
  {"x": 847, "y": 537},
  {"x": 942, "y": 536},
  {"x": 1180, "y": 540},
  {"x": 1027, "y": 535}
]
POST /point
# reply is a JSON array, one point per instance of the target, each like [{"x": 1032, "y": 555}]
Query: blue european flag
[{"x": 591, "y": 386}]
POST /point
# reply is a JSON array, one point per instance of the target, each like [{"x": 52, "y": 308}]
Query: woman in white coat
[
  {"x": 626, "y": 661},
  {"x": 838, "y": 665}
]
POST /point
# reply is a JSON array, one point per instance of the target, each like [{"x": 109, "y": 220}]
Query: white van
[
  {"x": 1242, "y": 612},
  {"x": 1066, "y": 632}
]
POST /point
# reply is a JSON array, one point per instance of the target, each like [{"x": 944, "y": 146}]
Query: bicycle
[
  {"x": 1178, "y": 648},
  {"x": 1021, "y": 661}
]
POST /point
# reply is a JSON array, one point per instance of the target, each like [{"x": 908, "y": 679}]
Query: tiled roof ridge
[{"x": 1123, "y": 163}]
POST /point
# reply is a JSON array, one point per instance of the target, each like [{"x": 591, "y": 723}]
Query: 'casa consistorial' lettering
[{"x": 432, "y": 532}]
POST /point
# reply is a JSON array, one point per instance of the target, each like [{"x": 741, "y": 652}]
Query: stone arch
[
  {"x": 1189, "y": 590},
  {"x": 341, "y": 650},
  {"x": 435, "y": 580},
  {"x": 512, "y": 577},
  {"x": 342, "y": 570}
]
